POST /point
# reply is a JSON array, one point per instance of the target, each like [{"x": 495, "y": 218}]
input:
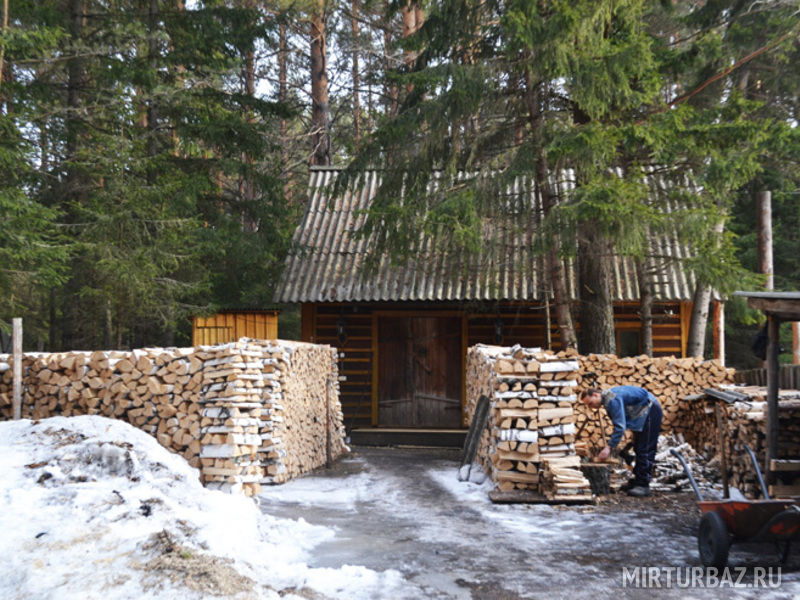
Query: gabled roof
[{"x": 326, "y": 262}]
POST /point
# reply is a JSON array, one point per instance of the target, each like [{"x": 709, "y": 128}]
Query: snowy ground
[
  {"x": 95, "y": 509},
  {"x": 405, "y": 509}
]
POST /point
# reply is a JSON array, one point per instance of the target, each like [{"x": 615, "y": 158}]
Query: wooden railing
[{"x": 789, "y": 378}]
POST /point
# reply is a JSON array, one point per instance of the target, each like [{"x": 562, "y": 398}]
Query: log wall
[
  {"x": 245, "y": 413},
  {"x": 352, "y": 328}
]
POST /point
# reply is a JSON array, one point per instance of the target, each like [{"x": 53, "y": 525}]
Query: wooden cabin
[{"x": 403, "y": 332}]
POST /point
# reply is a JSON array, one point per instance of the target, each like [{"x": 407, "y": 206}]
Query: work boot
[{"x": 639, "y": 491}]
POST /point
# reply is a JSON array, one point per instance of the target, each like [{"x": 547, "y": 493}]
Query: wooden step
[
  {"x": 380, "y": 436},
  {"x": 531, "y": 497},
  {"x": 784, "y": 491},
  {"x": 784, "y": 465}
]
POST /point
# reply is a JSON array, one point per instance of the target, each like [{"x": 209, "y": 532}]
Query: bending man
[{"x": 634, "y": 408}]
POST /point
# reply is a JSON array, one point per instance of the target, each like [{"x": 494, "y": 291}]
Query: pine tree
[{"x": 156, "y": 156}]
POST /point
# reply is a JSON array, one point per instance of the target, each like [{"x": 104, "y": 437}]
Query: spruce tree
[{"x": 589, "y": 92}]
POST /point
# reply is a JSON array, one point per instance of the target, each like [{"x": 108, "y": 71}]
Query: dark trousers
[{"x": 644, "y": 446}]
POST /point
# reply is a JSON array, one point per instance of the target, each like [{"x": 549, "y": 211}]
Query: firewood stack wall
[
  {"x": 245, "y": 413},
  {"x": 669, "y": 379},
  {"x": 745, "y": 423},
  {"x": 307, "y": 408},
  {"x": 528, "y": 443}
]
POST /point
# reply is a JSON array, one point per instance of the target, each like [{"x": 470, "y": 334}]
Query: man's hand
[{"x": 604, "y": 453}]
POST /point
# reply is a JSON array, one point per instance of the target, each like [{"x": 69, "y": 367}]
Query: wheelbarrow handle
[
  {"x": 679, "y": 456},
  {"x": 758, "y": 471}
]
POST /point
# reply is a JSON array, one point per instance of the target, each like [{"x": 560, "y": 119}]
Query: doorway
[{"x": 420, "y": 369}]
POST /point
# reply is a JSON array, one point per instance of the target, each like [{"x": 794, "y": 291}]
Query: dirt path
[{"x": 404, "y": 509}]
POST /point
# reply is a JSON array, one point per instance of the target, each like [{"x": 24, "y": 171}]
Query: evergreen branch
[{"x": 739, "y": 63}]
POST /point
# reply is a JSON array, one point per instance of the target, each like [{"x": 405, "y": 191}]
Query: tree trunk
[
  {"x": 644, "y": 278},
  {"x": 696, "y": 340},
  {"x": 320, "y": 109},
  {"x": 108, "y": 325},
  {"x": 3, "y": 30},
  {"x": 391, "y": 92},
  {"x": 561, "y": 305},
  {"x": 596, "y": 314},
  {"x": 419, "y": 16},
  {"x": 74, "y": 188},
  {"x": 764, "y": 227},
  {"x": 409, "y": 27},
  {"x": 246, "y": 182},
  {"x": 356, "y": 76},
  {"x": 412, "y": 21},
  {"x": 75, "y": 81},
  {"x": 555, "y": 267},
  {"x": 283, "y": 94},
  {"x": 153, "y": 146}
]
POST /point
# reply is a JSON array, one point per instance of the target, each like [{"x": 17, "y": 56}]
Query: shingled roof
[{"x": 326, "y": 264}]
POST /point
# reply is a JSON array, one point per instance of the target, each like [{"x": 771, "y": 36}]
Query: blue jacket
[{"x": 628, "y": 407}]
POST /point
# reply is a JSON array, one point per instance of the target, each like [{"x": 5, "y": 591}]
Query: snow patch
[{"x": 93, "y": 507}]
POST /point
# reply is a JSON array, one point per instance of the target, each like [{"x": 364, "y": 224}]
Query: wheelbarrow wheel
[
  {"x": 783, "y": 550},
  {"x": 713, "y": 541}
]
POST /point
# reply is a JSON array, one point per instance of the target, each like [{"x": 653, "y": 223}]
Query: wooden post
[
  {"x": 721, "y": 441},
  {"x": 17, "y": 349},
  {"x": 464, "y": 349},
  {"x": 764, "y": 200},
  {"x": 375, "y": 364},
  {"x": 796, "y": 343},
  {"x": 773, "y": 348},
  {"x": 686, "y": 318}
]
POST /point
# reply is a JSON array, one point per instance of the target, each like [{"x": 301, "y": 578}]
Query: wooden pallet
[{"x": 531, "y": 497}]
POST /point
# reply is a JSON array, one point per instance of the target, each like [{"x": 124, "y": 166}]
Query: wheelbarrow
[{"x": 743, "y": 521}]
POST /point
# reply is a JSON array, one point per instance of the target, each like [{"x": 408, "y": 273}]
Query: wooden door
[{"x": 419, "y": 372}]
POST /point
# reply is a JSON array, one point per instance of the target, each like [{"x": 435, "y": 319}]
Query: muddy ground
[{"x": 403, "y": 509}]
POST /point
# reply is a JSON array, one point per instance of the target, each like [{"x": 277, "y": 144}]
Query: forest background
[{"x": 154, "y": 154}]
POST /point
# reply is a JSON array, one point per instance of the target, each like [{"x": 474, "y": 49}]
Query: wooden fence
[{"x": 789, "y": 378}]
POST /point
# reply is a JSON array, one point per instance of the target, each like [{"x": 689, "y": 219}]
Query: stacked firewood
[
  {"x": 746, "y": 424},
  {"x": 532, "y": 395},
  {"x": 156, "y": 390},
  {"x": 669, "y": 379},
  {"x": 233, "y": 384},
  {"x": 562, "y": 479},
  {"x": 245, "y": 413},
  {"x": 304, "y": 410}
]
